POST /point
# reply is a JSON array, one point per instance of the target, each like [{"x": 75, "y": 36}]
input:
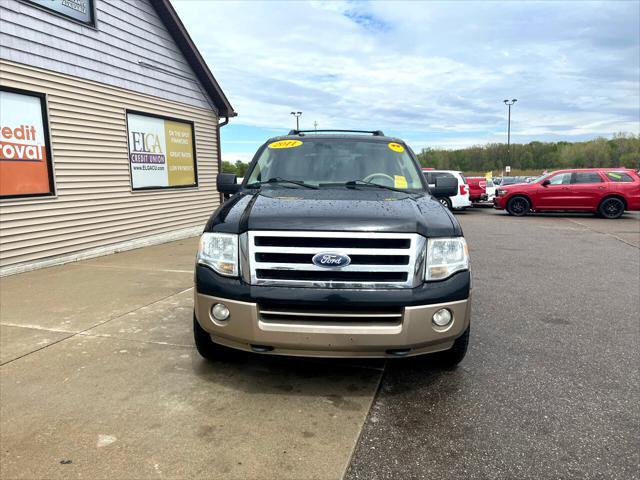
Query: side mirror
[
  {"x": 546, "y": 182},
  {"x": 445, "y": 187},
  {"x": 226, "y": 183}
]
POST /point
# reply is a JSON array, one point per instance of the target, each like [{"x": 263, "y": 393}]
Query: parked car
[
  {"x": 491, "y": 190},
  {"x": 461, "y": 199},
  {"x": 333, "y": 246},
  {"x": 477, "y": 189},
  {"x": 481, "y": 189},
  {"x": 605, "y": 191},
  {"x": 504, "y": 181}
]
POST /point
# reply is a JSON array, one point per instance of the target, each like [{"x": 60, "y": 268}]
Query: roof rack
[{"x": 376, "y": 133}]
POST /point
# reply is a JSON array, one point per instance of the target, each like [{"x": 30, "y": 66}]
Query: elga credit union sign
[
  {"x": 161, "y": 152},
  {"x": 25, "y": 166}
]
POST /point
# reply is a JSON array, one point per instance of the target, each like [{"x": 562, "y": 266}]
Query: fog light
[
  {"x": 220, "y": 312},
  {"x": 442, "y": 317}
]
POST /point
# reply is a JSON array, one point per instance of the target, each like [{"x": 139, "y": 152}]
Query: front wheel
[
  {"x": 445, "y": 202},
  {"x": 452, "y": 357},
  {"x": 611, "y": 208},
  {"x": 206, "y": 347},
  {"x": 518, "y": 206}
]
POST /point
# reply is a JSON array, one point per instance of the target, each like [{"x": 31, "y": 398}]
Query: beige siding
[{"x": 94, "y": 205}]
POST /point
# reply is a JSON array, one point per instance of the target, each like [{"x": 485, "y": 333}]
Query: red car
[
  {"x": 604, "y": 191},
  {"x": 477, "y": 189}
]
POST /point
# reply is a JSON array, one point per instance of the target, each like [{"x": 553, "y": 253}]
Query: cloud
[{"x": 435, "y": 71}]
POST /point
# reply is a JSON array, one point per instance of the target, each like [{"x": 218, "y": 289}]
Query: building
[{"x": 109, "y": 128}]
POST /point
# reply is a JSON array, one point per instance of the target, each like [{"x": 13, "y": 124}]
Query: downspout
[{"x": 220, "y": 125}]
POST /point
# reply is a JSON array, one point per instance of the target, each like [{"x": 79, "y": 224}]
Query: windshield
[
  {"x": 326, "y": 162},
  {"x": 540, "y": 178}
]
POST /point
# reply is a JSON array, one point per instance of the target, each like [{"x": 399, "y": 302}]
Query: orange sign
[{"x": 24, "y": 160}]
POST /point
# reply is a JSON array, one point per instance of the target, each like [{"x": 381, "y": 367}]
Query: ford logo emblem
[{"x": 331, "y": 260}]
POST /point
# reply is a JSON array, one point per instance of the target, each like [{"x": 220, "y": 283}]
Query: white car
[
  {"x": 457, "y": 202},
  {"x": 491, "y": 190}
]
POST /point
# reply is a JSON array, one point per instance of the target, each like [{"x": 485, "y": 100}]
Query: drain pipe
[{"x": 220, "y": 125}]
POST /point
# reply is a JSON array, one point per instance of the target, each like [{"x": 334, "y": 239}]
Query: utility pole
[
  {"x": 297, "y": 115},
  {"x": 509, "y": 103},
  {"x": 315, "y": 125}
]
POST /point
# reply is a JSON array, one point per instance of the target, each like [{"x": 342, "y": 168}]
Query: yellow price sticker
[
  {"x": 285, "y": 144},
  {"x": 396, "y": 147},
  {"x": 399, "y": 181}
]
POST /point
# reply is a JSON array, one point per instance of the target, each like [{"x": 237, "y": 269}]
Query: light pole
[
  {"x": 509, "y": 103},
  {"x": 297, "y": 115},
  {"x": 315, "y": 125}
]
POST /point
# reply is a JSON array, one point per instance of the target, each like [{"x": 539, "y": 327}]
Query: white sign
[
  {"x": 160, "y": 152},
  {"x": 507, "y": 169}
]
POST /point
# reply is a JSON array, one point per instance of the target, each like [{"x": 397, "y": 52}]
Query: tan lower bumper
[{"x": 414, "y": 331}]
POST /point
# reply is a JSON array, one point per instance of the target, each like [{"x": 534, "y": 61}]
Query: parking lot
[{"x": 99, "y": 378}]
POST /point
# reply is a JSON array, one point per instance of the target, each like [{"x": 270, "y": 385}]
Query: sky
[{"x": 432, "y": 73}]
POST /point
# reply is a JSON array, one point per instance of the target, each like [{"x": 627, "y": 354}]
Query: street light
[
  {"x": 297, "y": 115},
  {"x": 509, "y": 103}
]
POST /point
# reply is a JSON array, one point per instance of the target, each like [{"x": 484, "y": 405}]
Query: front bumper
[
  {"x": 413, "y": 333},
  {"x": 499, "y": 202}
]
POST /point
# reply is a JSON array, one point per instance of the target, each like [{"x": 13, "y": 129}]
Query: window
[
  {"x": 619, "y": 177},
  {"x": 77, "y": 10},
  {"x": 434, "y": 175},
  {"x": 587, "y": 177},
  {"x": 161, "y": 152},
  {"x": 25, "y": 153},
  {"x": 560, "y": 179}
]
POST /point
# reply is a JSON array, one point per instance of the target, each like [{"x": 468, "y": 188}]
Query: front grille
[{"x": 378, "y": 260}]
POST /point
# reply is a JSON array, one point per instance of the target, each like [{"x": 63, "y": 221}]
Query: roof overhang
[{"x": 179, "y": 33}]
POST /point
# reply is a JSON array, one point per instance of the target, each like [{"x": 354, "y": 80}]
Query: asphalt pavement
[
  {"x": 550, "y": 386},
  {"x": 99, "y": 377}
]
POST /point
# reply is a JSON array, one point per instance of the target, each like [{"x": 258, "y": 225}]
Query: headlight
[
  {"x": 500, "y": 192},
  {"x": 220, "y": 252},
  {"x": 446, "y": 256}
]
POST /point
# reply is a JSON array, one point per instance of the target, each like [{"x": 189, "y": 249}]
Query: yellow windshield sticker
[
  {"x": 396, "y": 147},
  {"x": 399, "y": 181},
  {"x": 285, "y": 144}
]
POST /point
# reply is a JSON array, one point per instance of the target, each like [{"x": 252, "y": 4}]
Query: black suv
[{"x": 333, "y": 246}]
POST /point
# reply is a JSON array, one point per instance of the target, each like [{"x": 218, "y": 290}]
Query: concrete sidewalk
[{"x": 99, "y": 379}]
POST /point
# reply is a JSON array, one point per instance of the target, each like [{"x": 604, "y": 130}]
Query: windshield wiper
[
  {"x": 353, "y": 183},
  {"x": 276, "y": 180}
]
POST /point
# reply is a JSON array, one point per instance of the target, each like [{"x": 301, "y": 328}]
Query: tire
[
  {"x": 611, "y": 207},
  {"x": 452, "y": 357},
  {"x": 206, "y": 347},
  {"x": 445, "y": 202},
  {"x": 518, "y": 206}
]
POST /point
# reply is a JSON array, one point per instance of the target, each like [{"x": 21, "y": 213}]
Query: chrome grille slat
[
  {"x": 391, "y": 267},
  {"x": 349, "y": 268},
  {"x": 313, "y": 250}
]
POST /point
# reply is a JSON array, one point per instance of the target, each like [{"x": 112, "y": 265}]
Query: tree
[
  {"x": 239, "y": 169},
  {"x": 623, "y": 150}
]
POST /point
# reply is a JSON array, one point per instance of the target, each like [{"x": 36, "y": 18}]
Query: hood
[
  {"x": 359, "y": 209},
  {"x": 519, "y": 186}
]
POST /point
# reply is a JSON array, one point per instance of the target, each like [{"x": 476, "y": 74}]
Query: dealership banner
[
  {"x": 25, "y": 167},
  {"x": 161, "y": 152}
]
